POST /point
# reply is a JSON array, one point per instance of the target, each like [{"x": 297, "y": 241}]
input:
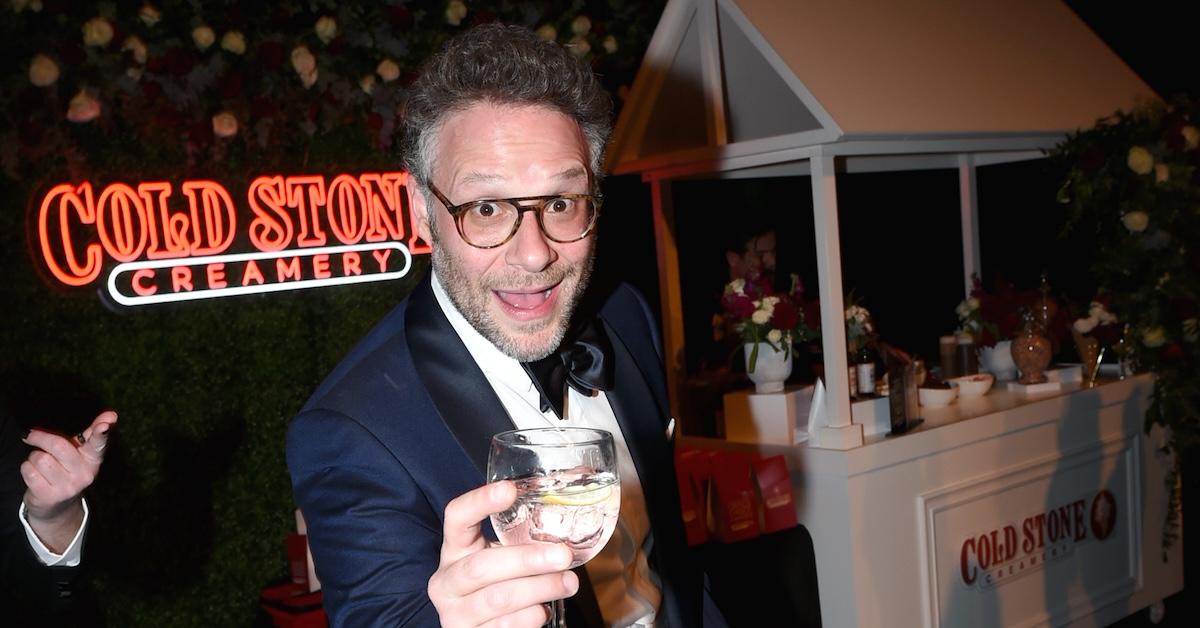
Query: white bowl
[
  {"x": 973, "y": 386},
  {"x": 936, "y": 397}
]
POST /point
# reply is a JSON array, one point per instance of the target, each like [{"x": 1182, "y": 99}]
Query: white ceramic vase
[
  {"x": 998, "y": 361},
  {"x": 771, "y": 367}
]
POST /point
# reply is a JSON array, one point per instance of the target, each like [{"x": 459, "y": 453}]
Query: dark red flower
[
  {"x": 739, "y": 305},
  {"x": 375, "y": 121},
  {"x": 1184, "y": 308},
  {"x": 401, "y": 19},
  {"x": 156, "y": 64},
  {"x": 1173, "y": 353},
  {"x": 231, "y": 85},
  {"x": 482, "y": 16},
  {"x": 271, "y": 54},
  {"x": 71, "y": 54},
  {"x": 1173, "y": 131},
  {"x": 407, "y": 77},
  {"x": 812, "y": 314},
  {"x": 151, "y": 90},
  {"x": 785, "y": 315},
  {"x": 179, "y": 61},
  {"x": 263, "y": 107}
]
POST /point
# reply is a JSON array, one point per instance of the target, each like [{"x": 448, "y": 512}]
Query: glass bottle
[{"x": 864, "y": 369}]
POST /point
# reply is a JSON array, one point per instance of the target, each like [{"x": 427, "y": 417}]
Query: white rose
[
  {"x": 738, "y": 286},
  {"x": 135, "y": 72},
  {"x": 149, "y": 15},
  {"x": 455, "y": 12},
  {"x": 367, "y": 84},
  {"x": 1154, "y": 337},
  {"x": 547, "y": 32},
  {"x": 1161, "y": 173},
  {"x": 97, "y": 32},
  {"x": 135, "y": 45},
  {"x": 309, "y": 79},
  {"x": 610, "y": 44},
  {"x": 234, "y": 42},
  {"x": 581, "y": 25},
  {"x": 203, "y": 37},
  {"x": 303, "y": 61},
  {"x": 1136, "y": 221},
  {"x": 769, "y": 303},
  {"x": 760, "y": 317},
  {"x": 1191, "y": 137},
  {"x": 579, "y": 46},
  {"x": 388, "y": 70},
  {"x": 774, "y": 336},
  {"x": 83, "y": 108},
  {"x": 973, "y": 304},
  {"x": 1085, "y": 325},
  {"x": 1140, "y": 160},
  {"x": 326, "y": 29},
  {"x": 225, "y": 124},
  {"x": 43, "y": 71}
]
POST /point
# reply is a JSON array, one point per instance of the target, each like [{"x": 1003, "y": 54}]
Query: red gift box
[
  {"x": 775, "y": 487},
  {"x": 291, "y": 605},
  {"x": 735, "y": 503}
]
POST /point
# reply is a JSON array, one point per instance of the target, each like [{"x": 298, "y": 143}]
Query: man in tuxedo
[
  {"x": 504, "y": 138},
  {"x": 43, "y": 518}
]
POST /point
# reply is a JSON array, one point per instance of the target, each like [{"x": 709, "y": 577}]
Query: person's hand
[
  {"x": 56, "y": 474},
  {"x": 479, "y": 583}
]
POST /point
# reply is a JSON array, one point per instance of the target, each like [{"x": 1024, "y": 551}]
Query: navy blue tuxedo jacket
[{"x": 403, "y": 425}]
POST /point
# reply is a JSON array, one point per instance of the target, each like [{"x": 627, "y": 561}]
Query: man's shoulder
[
  {"x": 628, "y": 312},
  {"x": 384, "y": 343}
]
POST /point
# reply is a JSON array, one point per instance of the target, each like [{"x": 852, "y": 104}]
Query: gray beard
[{"x": 471, "y": 299}]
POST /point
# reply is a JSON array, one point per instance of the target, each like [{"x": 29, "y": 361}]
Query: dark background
[{"x": 194, "y": 499}]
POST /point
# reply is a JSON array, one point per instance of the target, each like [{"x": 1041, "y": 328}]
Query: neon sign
[{"x": 305, "y": 232}]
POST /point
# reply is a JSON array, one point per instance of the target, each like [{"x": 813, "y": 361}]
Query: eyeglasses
[{"x": 489, "y": 223}]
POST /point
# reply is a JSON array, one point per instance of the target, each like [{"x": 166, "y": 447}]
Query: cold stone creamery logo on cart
[
  {"x": 301, "y": 232},
  {"x": 1003, "y": 553}
]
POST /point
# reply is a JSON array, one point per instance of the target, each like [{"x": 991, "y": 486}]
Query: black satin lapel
[
  {"x": 640, "y": 419},
  {"x": 467, "y": 403}
]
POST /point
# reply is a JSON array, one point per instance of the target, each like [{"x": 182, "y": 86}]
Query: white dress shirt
[
  {"x": 628, "y": 592},
  {"x": 70, "y": 556}
]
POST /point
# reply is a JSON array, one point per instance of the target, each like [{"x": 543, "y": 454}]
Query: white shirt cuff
[{"x": 70, "y": 556}]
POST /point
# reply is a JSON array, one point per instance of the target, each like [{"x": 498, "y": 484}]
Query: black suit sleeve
[{"x": 33, "y": 591}]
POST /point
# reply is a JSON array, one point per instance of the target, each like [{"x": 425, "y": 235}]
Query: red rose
[
  {"x": 375, "y": 121},
  {"x": 151, "y": 90},
  {"x": 739, "y": 305},
  {"x": 483, "y": 16},
  {"x": 812, "y": 314},
  {"x": 1172, "y": 353},
  {"x": 785, "y": 315},
  {"x": 231, "y": 85},
  {"x": 179, "y": 61},
  {"x": 263, "y": 107},
  {"x": 401, "y": 19}
]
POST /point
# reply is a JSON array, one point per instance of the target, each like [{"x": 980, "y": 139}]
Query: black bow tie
[{"x": 583, "y": 361}]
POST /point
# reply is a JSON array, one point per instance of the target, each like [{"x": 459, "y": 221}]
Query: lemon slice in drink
[{"x": 579, "y": 495}]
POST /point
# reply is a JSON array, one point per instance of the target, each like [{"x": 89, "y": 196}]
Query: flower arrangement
[
  {"x": 1099, "y": 323},
  {"x": 760, "y": 315},
  {"x": 1132, "y": 182},
  {"x": 859, "y": 328},
  {"x": 990, "y": 317},
  {"x": 185, "y": 83}
]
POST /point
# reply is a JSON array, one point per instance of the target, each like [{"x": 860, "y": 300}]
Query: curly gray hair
[{"x": 504, "y": 65}]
